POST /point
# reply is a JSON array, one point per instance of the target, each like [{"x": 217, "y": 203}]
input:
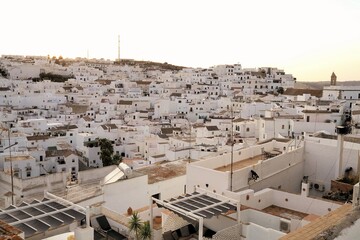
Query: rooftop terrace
[
  {"x": 241, "y": 164},
  {"x": 161, "y": 172}
]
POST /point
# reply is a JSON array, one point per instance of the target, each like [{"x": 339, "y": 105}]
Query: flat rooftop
[
  {"x": 165, "y": 171},
  {"x": 284, "y": 212},
  {"x": 241, "y": 164},
  {"x": 19, "y": 158},
  {"x": 320, "y": 225}
]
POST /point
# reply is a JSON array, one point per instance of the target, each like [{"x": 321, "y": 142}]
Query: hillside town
[{"x": 88, "y": 146}]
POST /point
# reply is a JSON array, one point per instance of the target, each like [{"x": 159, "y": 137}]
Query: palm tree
[
  {"x": 145, "y": 231},
  {"x": 135, "y": 224}
]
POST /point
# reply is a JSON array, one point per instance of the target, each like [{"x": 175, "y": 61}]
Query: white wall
[
  {"x": 169, "y": 188},
  {"x": 254, "y": 231},
  {"x": 93, "y": 174},
  {"x": 321, "y": 157},
  {"x": 121, "y": 195}
]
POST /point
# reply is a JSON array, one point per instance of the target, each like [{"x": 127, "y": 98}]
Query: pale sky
[{"x": 308, "y": 38}]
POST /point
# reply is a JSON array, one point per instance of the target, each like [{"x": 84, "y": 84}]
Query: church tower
[{"x": 333, "y": 79}]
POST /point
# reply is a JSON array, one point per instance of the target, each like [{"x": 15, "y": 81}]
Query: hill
[
  {"x": 321, "y": 84},
  {"x": 148, "y": 65}
]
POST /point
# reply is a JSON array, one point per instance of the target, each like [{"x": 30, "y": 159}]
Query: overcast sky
[{"x": 308, "y": 38}]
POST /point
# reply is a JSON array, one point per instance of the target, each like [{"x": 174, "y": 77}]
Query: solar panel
[
  {"x": 77, "y": 215},
  {"x": 214, "y": 211},
  {"x": 45, "y": 208},
  {"x": 199, "y": 199},
  {"x": 55, "y": 205},
  {"x": 53, "y": 222},
  {"x": 20, "y": 214},
  {"x": 64, "y": 217},
  {"x": 10, "y": 207},
  {"x": 33, "y": 211},
  {"x": 232, "y": 207},
  {"x": 29, "y": 231},
  {"x": 210, "y": 199},
  {"x": 205, "y": 214},
  {"x": 7, "y": 218},
  {"x": 34, "y": 201},
  {"x": 198, "y": 204},
  {"x": 38, "y": 225},
  {"x": 222, "y": 209}
]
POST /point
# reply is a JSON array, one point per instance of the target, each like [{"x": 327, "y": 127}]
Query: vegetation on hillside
[
  {"x": 3, "y": 72},
  {"x": 54, "y": 77},
  {"x": 148, "y": 65}
]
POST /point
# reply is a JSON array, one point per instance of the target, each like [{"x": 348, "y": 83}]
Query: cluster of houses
[{"x": 245, "y": 136}]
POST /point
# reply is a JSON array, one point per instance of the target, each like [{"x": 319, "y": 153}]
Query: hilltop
[
  {"x": 149, "y": 65},
  {"x": 321, "y": 84}
]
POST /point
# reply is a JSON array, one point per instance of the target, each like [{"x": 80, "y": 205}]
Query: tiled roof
[
  {"x": 169, "y": 130},
  {"x": 67, "y": 127},
  {"x": 107, "y": 126},
  {"x": 316, "y": 111},
  {"x": 298, "y": 91},
  {"x": 212, "y": 128},
  {"x": 8, "y": 232},
  {"x": 123, "y": 102},
  {"x": 38, "y": 137}
]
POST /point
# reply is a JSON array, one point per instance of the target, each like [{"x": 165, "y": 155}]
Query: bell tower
[{"x": 333, "y": 79}]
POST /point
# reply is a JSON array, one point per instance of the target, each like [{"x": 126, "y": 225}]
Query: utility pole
[
  {"x": 232, "y": 150},
  {"x": 11, "y": 168},
  {"x": 189, "y": 158},
  {"x": 118, "y": 48}
]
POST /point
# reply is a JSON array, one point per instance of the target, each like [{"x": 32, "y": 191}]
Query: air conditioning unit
[{"x": 284, "y": 226}]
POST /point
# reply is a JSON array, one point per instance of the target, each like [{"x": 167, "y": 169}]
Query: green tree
[
  {"x": 106, "y": 151},
  {"x": 117, "y": 158},
  {"x": 280, "y": 90},
  {"x": 145, "y": 231},
  {"x": 135, "y": 224}
]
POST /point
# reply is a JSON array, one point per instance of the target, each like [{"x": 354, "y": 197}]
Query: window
[
  {"x": 73, "y": 160},
  {"x": 282, "y": 126},
  {"x": 247, "y": 129}
]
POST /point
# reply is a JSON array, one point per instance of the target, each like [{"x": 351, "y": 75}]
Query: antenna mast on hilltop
[{"x": 118, "y": 48}]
